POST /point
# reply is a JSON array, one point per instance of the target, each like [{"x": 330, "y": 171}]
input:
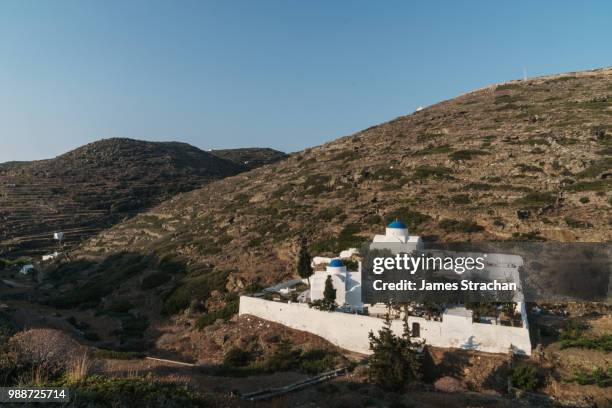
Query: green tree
[
  {"x": 236, "y": 357},
  {"x": 525, "y": 376},
  {"x": 328, "y": 303},
  {"x": 396, "y": 360},
  {"x": 329, "y": 293},
  {"x": 304, "y": 263},
  {"x": 323, "y": 304}
]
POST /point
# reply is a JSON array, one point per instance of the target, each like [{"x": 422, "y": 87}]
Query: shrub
[
  {"x": 329, "y": 213},
  {"x": 7, "y": 329},
  {"x": 574, "y": 223},
  {"x": 395, "y": 360},
  {"x": 68, "y": 272},
  {"x": 411, "y": 218},
  {"x": 317, "y": 184},
  {"x": 347, "y": 238},
  {"x": 347, "y": 155},
  {"x": 596, "y": 168},
  {"x": 597, "y": 185},
  {"x": 47, "y": 350},
  {"x": 527, "y": 236},
  {"x": 460, "y": 226},
  {"x": 171, "y": 265},
  {"x": 529, "y": 168},
  {"x": 117, "y": 355},
  {"x": 131, "y": 332},
  {"x": 253, "y": 287},
  {"x": 573, "y": 329},
  {"x": 91, "y": 336},
  {"x": 479, "y": 186},
  {"x": 601, "y": 343},
  {"x": 434, "y": 150},
  {"x": 536, "y": 198},
  {"x": 597, "y": 376},
  {"x": 323, "y": 246},
  {"x": 226, "y": 313},
  {"x": 424, "y": 137},
  {"x": 316, "y": 361},
  {"x": 584, "y": 200},
  {"x": 323, "y": 304},
  {"x": 198, "y": 288},
  {"x": 467, "y": 154},
  {"x": 236, "y": 357},
  {"x": 438, "y": 172},
  {"x": 374, "y": 219},
  {"x": 255, "y": 242},
  {"x": 387, "y": 173},
  {"x": 601, "y": 377},
  {"x": 351, "y": 264},
  {"x": 111, "y": 273},
  {"x": 120, "y": 306},
  {"x": 284, "y": 358},
  {"x": 461, "y": 199},
  {"x": 224, "y": 240},
  {"x": 154, "y": 280},
  {"x": 525, "y": 377},
  {"x": 282, "y": 190},
  {"x": 102, "y": 391}
]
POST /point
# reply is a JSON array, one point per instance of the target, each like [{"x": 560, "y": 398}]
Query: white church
[
  {"x": 455, "y": 329},
  {"x": 348, "y": 283}
]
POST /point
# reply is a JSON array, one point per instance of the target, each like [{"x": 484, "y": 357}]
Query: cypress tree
[
  {"x": 395, "y": 360},
  {"x": 329, "y": 293},
  {"x": 304, "y": 267}
]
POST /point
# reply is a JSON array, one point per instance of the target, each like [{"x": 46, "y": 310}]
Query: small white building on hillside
[
  {"x": 397, "y": 233},
  {"x": 50, "y": 257},
  {"x": 347, "y": 285},
  {"x": 26, "y": 269}
]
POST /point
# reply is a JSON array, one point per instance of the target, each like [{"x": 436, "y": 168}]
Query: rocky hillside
[
  {"x": 250, "y": 157},
  {"x": 97, "y": 185},
  {"x": 524, "y": 160}
]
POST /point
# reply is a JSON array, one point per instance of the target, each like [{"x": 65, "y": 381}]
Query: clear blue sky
[{"x": 284, "y": 74}]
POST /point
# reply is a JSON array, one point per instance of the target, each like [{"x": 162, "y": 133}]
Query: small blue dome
[
  {"x": 397, "y": 224},
  {"x": 336, "y": 263}
]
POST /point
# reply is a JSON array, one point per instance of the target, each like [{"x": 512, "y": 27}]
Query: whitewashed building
[
  {"x": 50, "y": 257},
  {"x": 347, "y": 285},
  {"x": 26, "y": 269},
  {"x": 455, "y": 329},
  {"x": 397, "y": 233}
]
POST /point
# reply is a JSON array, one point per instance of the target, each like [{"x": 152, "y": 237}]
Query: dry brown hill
[
  {"x": 250, "y": 157},
  {"x": 523, "y": 160},
  {"x": 97, "y": 185}
]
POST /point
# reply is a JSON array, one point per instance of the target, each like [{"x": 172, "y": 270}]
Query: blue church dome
[
  {"x": 397, "y": 224},
  {"x": 336, "y": 263}
]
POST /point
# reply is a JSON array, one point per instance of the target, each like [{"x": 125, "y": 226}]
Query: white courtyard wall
[{"x": 350, "y": 331}]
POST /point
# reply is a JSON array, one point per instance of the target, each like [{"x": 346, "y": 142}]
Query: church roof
[
  {"x": 397, "y": 224},
  {"x": 336, "y": 263}
]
